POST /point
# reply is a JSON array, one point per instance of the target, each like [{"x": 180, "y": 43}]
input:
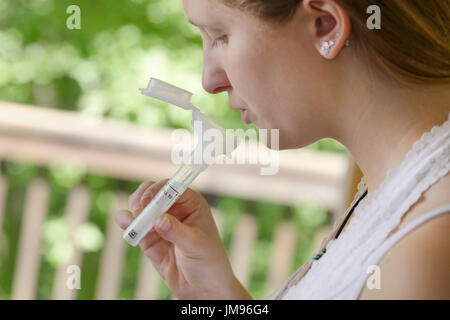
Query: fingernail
[
  {"x": 163, "y": 223},
  {"x": 148, "y": 193},
  {"x": 122, "y": 220},
  {"x": 135, "y": 206}
]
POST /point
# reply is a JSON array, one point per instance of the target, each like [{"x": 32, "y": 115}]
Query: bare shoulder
[{"x": 417, "y": 267}]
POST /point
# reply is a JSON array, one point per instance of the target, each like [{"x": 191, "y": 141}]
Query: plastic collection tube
[
  {"x": 181, "y": 180},
  {"x": 161, "y": 202}
]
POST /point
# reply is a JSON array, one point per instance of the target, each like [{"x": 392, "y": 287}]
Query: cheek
[{"x": 250, "y": 71}]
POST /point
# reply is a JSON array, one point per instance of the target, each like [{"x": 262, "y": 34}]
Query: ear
[{"x": 332, "y": 26}]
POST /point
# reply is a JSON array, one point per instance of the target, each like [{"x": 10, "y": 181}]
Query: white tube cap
[{"x": 181, "y": 98}]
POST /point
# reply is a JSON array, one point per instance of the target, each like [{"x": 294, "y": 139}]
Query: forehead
[
  {"x": 200, "y": 11},
  {"x": 215, "y": 12}
]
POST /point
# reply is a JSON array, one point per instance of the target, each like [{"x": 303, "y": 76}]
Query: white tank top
[{"x": 342, "y": 271}]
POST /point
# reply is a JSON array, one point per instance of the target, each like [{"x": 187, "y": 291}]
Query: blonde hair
[{"x": 413, "y": 44}]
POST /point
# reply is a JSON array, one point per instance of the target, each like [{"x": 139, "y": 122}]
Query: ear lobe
[{"x": 332, "y": 26}]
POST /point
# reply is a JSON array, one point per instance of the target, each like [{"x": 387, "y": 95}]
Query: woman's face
[{"x": 275, "y": 73}]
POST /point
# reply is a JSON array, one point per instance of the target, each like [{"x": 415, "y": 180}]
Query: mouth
[
  {"x": 245, "y": 116},
  {"x": 244, "y": 113},
  {"x": 236, "y": 108}
]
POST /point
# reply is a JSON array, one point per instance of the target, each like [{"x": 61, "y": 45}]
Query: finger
[
  {"x": 152, "y": 245},
  {"x": 189, "y": 240},
  {"x": 155, "y": 248},
  {"x": 146, "y": 195},
  {"x": 123, "y": 218},
  {"x": 133, "y": 199},
  {"x": 186, "y": 205},
  {"x": 150, "y": 192},
  {"x": 189, "y": 203},
  {"x": 157, "y": 252}
]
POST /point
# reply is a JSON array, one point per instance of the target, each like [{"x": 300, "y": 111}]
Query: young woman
[{"x": 313, "y": 69}]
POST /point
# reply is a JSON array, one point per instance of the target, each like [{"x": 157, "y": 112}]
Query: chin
[
  {"x": 270, "y": 141},
  {"x": 281, "y": 141}
]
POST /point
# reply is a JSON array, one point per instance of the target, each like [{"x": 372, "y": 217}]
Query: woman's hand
[{"x": 185, "y": 247}]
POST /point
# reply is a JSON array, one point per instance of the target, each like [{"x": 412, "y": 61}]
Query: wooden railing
[{"x": 122, "y": 150}]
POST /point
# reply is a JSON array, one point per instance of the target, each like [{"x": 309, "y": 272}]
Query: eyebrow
[
  {"x": 201, "y": 25},
  {"x": 204, "y": 26}
]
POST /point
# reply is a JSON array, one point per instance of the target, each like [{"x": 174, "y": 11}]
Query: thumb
[{"x": 186, "y": 238}]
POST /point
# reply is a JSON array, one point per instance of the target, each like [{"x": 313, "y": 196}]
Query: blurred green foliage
[{"x": 97, "y": 71}]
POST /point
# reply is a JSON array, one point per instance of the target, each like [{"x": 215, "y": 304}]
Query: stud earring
[
  {"x": 347, "y": 42},
  {"x": 326, "y": 47}
]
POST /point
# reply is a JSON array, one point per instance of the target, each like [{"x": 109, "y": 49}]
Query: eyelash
[{"x": 220, "y": 40}]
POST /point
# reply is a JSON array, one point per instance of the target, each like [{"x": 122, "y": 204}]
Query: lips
[
  {"x": 245, "y": 116},
  {"x": 244, "y": 113},
  {"x": 236, "y": 108}
]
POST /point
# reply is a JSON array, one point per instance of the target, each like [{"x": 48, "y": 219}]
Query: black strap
[{"x": 349, "y": 214}]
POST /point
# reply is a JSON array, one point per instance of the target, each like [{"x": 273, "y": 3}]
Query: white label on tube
[{"x": 170, "y": 194}]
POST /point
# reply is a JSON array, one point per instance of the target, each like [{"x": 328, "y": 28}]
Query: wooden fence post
[
  {"x": 112, "y": 258},
  {"x": 77, "y": 212},
  {"x": 244, "y": 239},
  {"x": 283, "y": 253},
  {"x": 29, "y": 257},
  {"x": 3, "y": 193},
  {"x": 148, "y": 282}
]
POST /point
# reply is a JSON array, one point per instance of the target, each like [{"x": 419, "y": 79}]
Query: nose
[{"x": 214, "y": 77}]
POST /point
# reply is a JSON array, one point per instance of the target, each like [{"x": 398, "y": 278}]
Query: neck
[{"x": 381, "y": 125}]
